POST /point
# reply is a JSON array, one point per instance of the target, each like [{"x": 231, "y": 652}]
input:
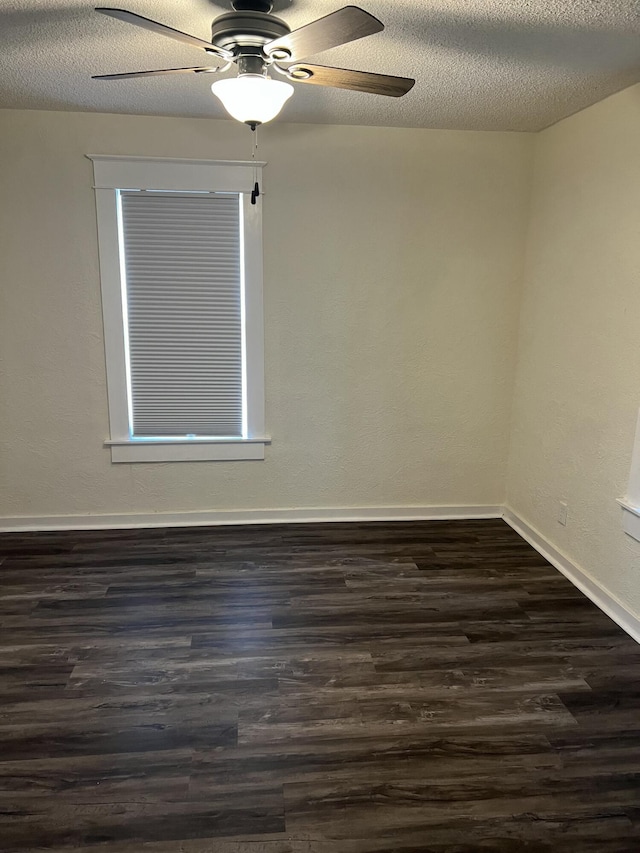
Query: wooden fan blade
[
  {"x": 162, "y": 30},
  {"x": 127, "y": 75},
  {"x": 344, "y": 78},
  {"x": 340, "y": 27}
]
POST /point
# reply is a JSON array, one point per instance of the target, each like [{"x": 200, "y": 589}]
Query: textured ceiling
[{"x": 479, "y": 64}]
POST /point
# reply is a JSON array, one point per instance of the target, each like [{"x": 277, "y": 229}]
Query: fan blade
[
  {"x": 340, "y": 27},
  {"x": 344, "y": 78},
  {"x": 161, "y": 29},
  {"x": 129, "y": 74}
]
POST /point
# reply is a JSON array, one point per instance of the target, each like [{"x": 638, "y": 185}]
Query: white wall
[
  {"x": 393, "y": 261},
  {"x": 578, "y": 381}
]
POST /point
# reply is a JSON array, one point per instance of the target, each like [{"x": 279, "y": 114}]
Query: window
[{"x": 181, "y": 275}]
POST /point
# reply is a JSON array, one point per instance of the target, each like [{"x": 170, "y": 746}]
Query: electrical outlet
[{"x": 562, "y": 512}]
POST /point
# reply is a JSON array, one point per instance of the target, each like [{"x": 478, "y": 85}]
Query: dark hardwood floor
[{"x": 427, "y": 687}]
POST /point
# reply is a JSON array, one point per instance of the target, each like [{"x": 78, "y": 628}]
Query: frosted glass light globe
[{"x": 252, "y": 98}]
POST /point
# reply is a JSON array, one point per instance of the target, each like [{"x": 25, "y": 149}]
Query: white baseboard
[
  {"x": 592, "y": 588},
  {"x": 18, "y": 524},
  {"x": 600, "y": 596}
]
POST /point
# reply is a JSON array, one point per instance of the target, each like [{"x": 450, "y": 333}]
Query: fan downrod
[{"x": 264, "y": 6}]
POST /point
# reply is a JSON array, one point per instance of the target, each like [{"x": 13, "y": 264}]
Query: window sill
[
  {"x": 630, "y": 519},
  {"x": 189, "y": 450}
]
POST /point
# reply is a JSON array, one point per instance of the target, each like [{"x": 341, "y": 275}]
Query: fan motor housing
[{"x": 246, "y": 29}]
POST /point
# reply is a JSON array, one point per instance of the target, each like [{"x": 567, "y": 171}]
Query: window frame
[{"x": 113, "y": 173}]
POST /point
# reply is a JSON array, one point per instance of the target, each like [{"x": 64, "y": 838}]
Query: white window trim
[{"x": 115, "y": 172}]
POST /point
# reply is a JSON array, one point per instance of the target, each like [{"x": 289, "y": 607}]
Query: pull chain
[{"x": 255, "y": 192}]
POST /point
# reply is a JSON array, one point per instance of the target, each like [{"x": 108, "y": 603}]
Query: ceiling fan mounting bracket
[
  {"x": 299, "y": 72},
  {"x": 252, "y": 6},
  {"x": 237, "y": 30}
]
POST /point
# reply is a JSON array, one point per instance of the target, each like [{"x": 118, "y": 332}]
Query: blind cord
[{"x": 255, "y": 192}]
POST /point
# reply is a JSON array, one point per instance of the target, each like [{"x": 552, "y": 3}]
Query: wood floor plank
[{"x": 111, "y": 778}]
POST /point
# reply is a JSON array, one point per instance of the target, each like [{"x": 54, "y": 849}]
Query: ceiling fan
[{"x": 256, "y": 41}]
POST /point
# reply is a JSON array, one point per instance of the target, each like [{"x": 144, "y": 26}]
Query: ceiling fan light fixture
[{"x": 252, "y": 98}]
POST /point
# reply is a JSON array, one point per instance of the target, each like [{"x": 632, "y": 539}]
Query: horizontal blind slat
[{"x": 183, "y": 286}]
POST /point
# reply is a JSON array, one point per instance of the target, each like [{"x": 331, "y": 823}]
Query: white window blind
[{"x": 183, "y": 311}]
